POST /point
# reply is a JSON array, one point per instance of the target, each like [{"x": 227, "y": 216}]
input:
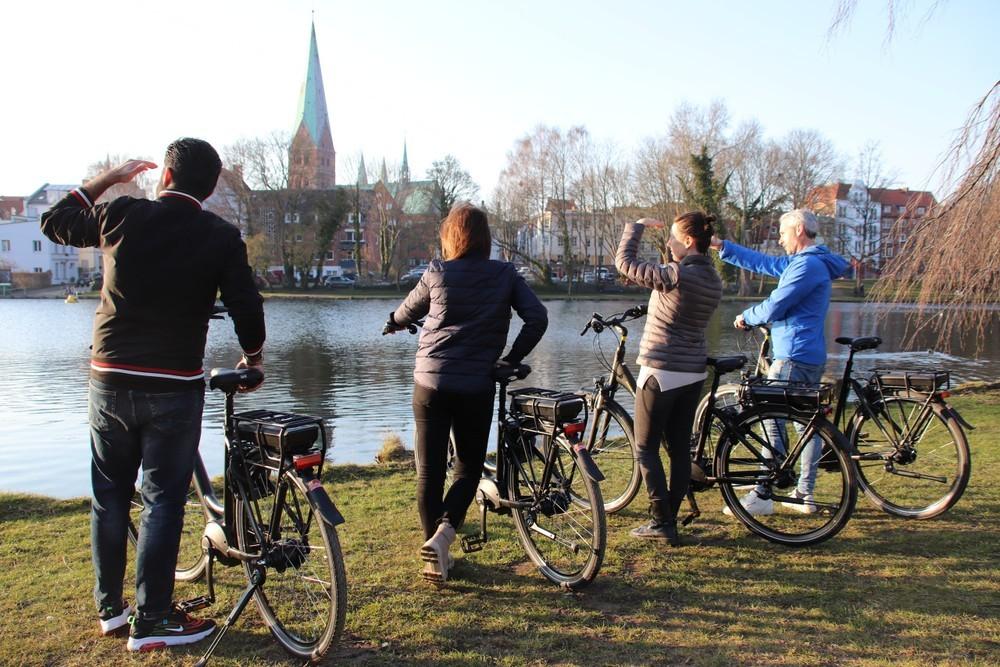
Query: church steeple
[
  {"x": 404, "y": 171},
  {"x": 312, "y": 158},
  {"x": 362, "y": 172},
  {"x": 384, "y": 176}
]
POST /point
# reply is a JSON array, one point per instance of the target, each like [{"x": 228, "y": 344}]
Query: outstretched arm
[{"x": 751, "y": 260}]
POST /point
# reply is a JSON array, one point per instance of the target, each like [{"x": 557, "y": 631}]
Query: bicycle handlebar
[
  {"x": 391, "y": 327},
  {"x": 508, "y": 372},
  {"x": 598, "y": 322}
]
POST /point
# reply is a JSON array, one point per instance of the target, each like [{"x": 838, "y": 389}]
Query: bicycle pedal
[
  {"x": 471, "y": 543},
  {"x": 194, "y": 604}
]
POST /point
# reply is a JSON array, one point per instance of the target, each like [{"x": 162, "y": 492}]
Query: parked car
[
  {"x": 337, "y": 281},
  {"x": 413, "y": 275}
]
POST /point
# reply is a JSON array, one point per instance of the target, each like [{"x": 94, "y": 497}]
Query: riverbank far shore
[{"x": 884, "y": 591}]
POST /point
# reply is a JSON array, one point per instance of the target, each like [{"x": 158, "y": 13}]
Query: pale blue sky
[{"x": 469, "y": 78}]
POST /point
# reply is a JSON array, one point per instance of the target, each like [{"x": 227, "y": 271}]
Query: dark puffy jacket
[
  {"x": 684, "y": 297},
  {"x": 465, "y": 304}
]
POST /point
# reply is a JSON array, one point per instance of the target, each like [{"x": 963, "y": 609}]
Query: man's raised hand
[{"x": 129, "y": 169}]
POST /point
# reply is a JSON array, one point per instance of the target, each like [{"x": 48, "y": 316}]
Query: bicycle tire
[
  {"x": 726, "y": 396},
  {"x": 192, "y": 560},
  {"x": 617, "y": 457},
  {"x": 738, "y": 461},
  {"x": 570, "y": 510},
  {"x": 306, "y": 625},
  {"x": 941, "y": 450}
]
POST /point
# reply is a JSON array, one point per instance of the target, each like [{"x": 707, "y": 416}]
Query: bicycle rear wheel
[
  {"x": 745, "y": 460},
  {"x": 727, "y": 397},
  {"x": 561, "y": 523},
  {"x": 614, "y": 453},
  {"x": 191, "y": 559},
  {"x": 304, "y": 596},
  {"x": 912, "y": 464}
]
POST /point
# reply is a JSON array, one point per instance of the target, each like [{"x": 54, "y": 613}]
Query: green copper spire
[
  {"x": 312, "y": 100},
  {"x": 362, "y": 172},
  {"x": 404, "y": 171}
]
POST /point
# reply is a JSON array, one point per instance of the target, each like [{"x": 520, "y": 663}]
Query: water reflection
[{"x": 328, "y": 358}]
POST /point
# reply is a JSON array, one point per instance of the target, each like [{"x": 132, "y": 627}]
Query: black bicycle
[
  {"x": 910, "y": 450},
  {"x": 544, "y": 476},
  {"x": 611, "y": 438},
  {"x": 275, "y": 518},
  {"x": 757, "y": 444}
]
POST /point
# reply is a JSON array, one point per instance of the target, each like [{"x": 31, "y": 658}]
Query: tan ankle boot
[{"x": 435, "y": 554}]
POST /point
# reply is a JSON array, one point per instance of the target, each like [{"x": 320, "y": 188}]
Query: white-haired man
[{"x": 796, "y": 310}]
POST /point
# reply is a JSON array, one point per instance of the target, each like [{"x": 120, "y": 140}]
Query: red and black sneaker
[
  {"x": 114, "y": 617},
  {"x": 174, "y": 629}
]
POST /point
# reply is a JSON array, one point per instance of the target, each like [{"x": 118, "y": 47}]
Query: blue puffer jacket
[
  {"x": 465, "y": 304},
  {"x": 797, "y": 307}
]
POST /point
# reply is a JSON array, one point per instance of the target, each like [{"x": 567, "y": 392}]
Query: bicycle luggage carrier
[
  {"x": 280, "y": 433},
  {"x": 546, "y": 405},
  {"x": 800, "y": 396},
  {"x": 905, "y": 380}
]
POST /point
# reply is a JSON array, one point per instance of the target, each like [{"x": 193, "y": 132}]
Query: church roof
[{"x": 312, "y": 100}]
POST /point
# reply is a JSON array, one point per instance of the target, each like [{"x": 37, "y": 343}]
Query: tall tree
[
  {"x": 807, "y": 161},
  {"x": 452, "y": 183},
  {"x": 706, "y": 192}
]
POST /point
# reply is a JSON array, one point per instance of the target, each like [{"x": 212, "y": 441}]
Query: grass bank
[{"x": 884, "y": 591}]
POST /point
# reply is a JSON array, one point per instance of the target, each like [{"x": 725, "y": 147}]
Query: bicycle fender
[
  {"x": 323, "y": 503},
  {"x": 587, "y": 463},
  {"x": 948, "y": 410}
]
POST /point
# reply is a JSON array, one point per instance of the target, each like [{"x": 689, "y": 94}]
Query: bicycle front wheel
[
  {"x": 304, "y": 596},
  {"x": 614, "y": 453},
  {"x": 561, "y": 521},
  {"x": 750, "y": 460},
  {"x": 191, "y": 558},
  {"x": 912, "y": 463}
]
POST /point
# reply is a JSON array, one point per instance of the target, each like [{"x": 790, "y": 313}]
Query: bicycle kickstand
[
  {"x": 472, "y": 543},
  {"x": 256, "y": 581},
  {"x": 694, "y": 513}
]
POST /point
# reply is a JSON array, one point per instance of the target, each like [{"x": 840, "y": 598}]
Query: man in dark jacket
[
  {"x": 796, "y": 310},
  {"x": 147, "y": 386}
]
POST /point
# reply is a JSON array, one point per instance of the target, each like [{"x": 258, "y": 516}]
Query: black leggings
[
  {"x": 667, "y": 414},
  {"x": 436, "y": 413}
]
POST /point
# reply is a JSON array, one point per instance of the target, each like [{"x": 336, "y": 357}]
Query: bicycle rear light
[
  {"x": 305, "y": 461},
  {"x": 574, "y": 430}
]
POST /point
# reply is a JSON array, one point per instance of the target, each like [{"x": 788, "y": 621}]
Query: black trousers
[
  {"x": 670, "y": 415},
  {"x": 436, "y": 414}
]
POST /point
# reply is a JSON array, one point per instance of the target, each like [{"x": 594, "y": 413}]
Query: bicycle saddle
[
  {"x": 864, "y": 343},
  {"x": 726, "y": 364},
  {"x": 229, "y": 380}
]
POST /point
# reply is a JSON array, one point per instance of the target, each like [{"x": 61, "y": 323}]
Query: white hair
[{"x": 804, "y": 217}]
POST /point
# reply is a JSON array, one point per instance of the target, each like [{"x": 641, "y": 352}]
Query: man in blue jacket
[{"x": 796, "y": 310}]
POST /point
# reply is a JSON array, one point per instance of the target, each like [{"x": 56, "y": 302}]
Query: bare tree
[
  {"x": 452, "y": 183},
  {"x": 807, "y": 160},
  {"x": 865, "y": 244}
]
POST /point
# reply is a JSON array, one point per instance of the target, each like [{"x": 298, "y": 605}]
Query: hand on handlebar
[
  {"x": 256, "y": 365},
  {"x": 740, "y": 323},
  {"x": 391, "y": 327},
  {"x": 503, "y": 370}
]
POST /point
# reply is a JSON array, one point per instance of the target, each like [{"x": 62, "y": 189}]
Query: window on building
[
  {"x": 38, "y": 269},
  {"x": 921, "y": 210},
  {"x": 5, "y": 245},
  {"x": 902, "y": 239},
  {"x": 887, "y": 251},
  {"x": 900, "y": 208},
  {"x": 36, "y": 246},
  {"x": 350, "y": 237},
  {"x": 887, "y": 209},
  {"x": 329, "y": 255},
  {"x": 841, "y": 211},
  {"x": 298, "y": 238}
]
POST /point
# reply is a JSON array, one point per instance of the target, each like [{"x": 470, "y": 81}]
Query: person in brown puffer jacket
[{"x": 672, "y": 353}]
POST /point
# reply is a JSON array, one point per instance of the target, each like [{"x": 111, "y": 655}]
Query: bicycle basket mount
[
  {"x": 546, "y": 405},
  {"x": 794, "y": 395},
  {"x": 903, "y": 380}
]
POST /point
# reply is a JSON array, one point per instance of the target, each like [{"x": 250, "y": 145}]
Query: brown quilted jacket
[{"x": 685, "y": 295}]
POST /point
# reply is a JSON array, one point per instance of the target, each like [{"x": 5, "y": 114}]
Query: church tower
[{"x": 311, "y": 157}]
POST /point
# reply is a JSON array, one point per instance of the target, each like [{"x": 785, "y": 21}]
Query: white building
[{"x": 23, "y": 247}]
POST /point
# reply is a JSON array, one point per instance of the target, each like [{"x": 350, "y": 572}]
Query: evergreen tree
[{"x": 707, "y": 193}]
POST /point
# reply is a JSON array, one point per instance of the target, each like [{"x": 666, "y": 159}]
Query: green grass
[{"x": 884, "y": 591}]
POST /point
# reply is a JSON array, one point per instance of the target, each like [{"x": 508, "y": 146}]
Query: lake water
[{"x": 327, "y": 358}]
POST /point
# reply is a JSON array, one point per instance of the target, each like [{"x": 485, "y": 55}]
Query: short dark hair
[
  {"x": 195, "y": 166},
  {"x": 697, "y": 225},
  {"x": 465, "y": 233}
]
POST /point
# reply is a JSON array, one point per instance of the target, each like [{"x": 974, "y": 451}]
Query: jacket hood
[{"x": 835, "y": 264}]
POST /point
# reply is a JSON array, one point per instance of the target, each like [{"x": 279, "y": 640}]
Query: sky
[{"x": 470, "y": 77}]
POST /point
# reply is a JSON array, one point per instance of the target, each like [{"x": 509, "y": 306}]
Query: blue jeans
[
  {"x": 160, "y": 432},
  {"x": 794, "y": 371}
]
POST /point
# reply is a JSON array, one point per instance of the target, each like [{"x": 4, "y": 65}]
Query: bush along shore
[{"x": 884, "y": 591}]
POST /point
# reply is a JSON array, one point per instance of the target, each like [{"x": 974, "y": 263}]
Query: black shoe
[
  {"x": 173, "y": 629},
  {"x": 655, "y": 530}
]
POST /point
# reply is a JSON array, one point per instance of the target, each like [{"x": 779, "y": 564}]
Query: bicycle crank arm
[
  {"x": 572, "y": 546},
  {"x": 215, "y": 536}
]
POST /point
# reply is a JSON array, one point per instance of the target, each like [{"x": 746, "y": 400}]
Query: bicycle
[
  {"x": 910, "y": 451},
  {"x": 611, "y": 439},
  {"x": 280, "y": 519},
  {"x": 760, "y": 443},
  {"x": 546, "y": 479}
]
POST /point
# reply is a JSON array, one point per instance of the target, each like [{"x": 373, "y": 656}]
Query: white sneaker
[
  {"x": 807, "y": 506},
  {"x": 753, "y": 504},
  {"x": 435, "y": 554}
]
